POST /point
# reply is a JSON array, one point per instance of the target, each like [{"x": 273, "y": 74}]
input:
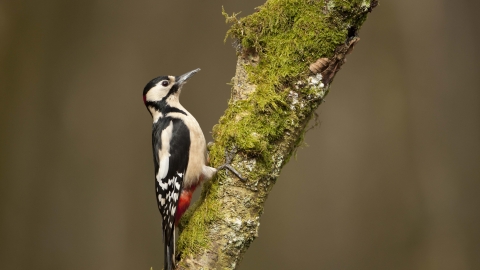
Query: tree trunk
[{"x": 288, "y": 54}]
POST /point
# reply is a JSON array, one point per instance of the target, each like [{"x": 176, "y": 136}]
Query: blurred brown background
[{"x": 390, "y": 179}]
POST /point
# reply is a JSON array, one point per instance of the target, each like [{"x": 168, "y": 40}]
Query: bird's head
[{"x": 164, "y": 88}]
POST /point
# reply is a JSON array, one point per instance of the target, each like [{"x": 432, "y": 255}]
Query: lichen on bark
[{"x": 274, "y": 95}]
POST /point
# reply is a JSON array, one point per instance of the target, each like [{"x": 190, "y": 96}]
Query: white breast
[{"x": 198, "y": 147}]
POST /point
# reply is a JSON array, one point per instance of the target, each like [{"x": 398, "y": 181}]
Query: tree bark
[{"x": 288, "y": 54}]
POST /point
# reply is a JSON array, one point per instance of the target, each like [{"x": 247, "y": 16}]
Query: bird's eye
[{"x": 164, "y": 83}]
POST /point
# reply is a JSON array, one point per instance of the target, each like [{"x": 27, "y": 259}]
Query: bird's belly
[{"x": 196, "y": 159}]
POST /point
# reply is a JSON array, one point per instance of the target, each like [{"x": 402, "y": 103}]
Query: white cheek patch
[{"x": 157, "y": 92}]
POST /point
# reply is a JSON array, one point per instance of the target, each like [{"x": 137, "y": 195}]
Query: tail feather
[{"x": 169, "y": 251}]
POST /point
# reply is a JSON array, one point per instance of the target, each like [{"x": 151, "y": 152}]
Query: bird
[{"x": 179, "y": 154}]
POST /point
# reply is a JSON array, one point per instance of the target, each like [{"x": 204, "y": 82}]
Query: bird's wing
[{"x": 171, "y": 148}]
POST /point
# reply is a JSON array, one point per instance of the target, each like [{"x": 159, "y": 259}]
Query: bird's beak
[{"x": 179, "y": 80}]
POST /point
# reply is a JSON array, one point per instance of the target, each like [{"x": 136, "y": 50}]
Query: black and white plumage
[{"x": 179, "y": 154}]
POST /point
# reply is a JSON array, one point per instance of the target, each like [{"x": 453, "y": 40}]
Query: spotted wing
[{"x": 171, "y": 150}]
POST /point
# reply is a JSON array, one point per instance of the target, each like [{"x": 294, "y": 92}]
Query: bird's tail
[{"x": 169, "y": 251}]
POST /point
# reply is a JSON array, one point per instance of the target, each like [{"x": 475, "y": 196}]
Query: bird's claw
[{"x": 227, "y": 165}]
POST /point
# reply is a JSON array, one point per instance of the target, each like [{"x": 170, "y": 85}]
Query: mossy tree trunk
[{"x": 288, "y": 53}]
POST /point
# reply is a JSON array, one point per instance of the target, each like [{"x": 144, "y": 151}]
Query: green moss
[
  {"x": 288, "y": 36},
  {"x": 285, "y": 36},
  {"x": 194, "y": 237}
]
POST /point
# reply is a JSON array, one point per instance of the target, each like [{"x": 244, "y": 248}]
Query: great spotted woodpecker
[{"x": 179, "y": 154}]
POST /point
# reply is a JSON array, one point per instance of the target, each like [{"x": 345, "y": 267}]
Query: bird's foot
[{"x": 227, "y": 165}]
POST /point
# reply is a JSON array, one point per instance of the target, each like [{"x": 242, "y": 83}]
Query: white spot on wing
[
  {"x": 164, "y": 152},
  {"x": 163, "y": 185},
  {"x": 177, "y": 185}
]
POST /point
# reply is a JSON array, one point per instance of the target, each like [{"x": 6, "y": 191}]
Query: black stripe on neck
[
  {"x": 173, "y": 110},
  {"x": 163, "y": 107}
]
